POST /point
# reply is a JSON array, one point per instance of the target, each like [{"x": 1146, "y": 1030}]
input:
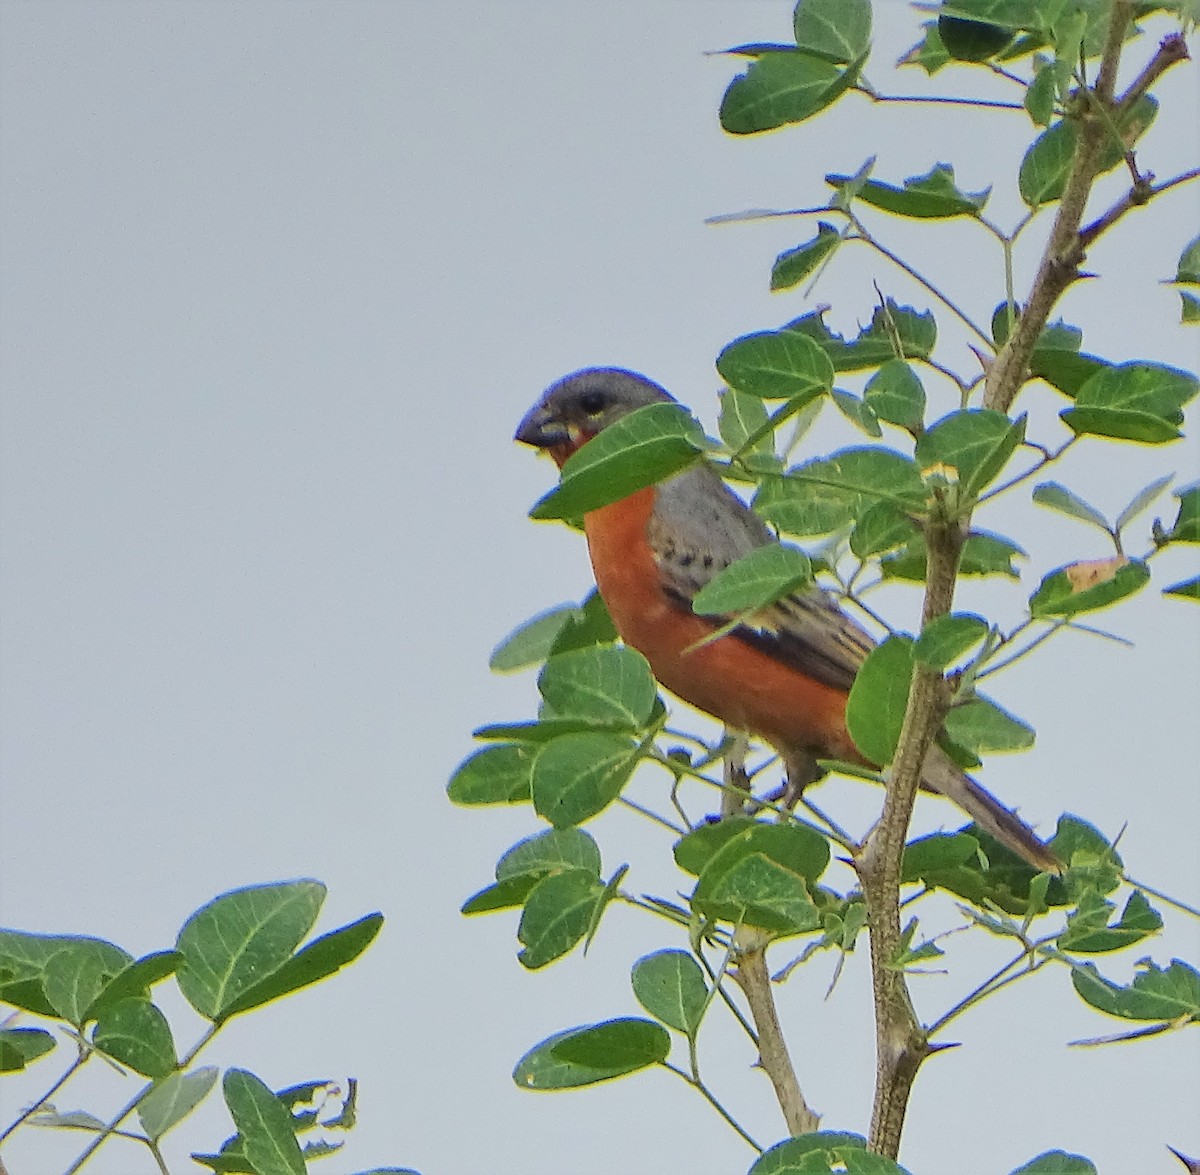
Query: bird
[{"x": 785, "y": 678}]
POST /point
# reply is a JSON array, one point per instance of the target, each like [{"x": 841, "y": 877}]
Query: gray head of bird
[{"x": 575, "y": 408}]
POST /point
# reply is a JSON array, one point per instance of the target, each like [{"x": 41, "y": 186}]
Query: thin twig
[{"x": 755, "y": 981}]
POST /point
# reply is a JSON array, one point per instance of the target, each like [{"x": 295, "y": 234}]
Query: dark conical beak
[{"x": 542, "y": 429}]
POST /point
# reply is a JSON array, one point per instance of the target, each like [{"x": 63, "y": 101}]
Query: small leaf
[
  {"x": 606, "y": 684},
  {"x": 776, "y": 365},
  {"x": 972, "y": 40},
  {"x": 318, "y": 960},
  {"x": 976, "y": 443},
  {"x": 1089, "y": 930},
  {"x": 493, "y": 775},
  {"x": 794, "y": 265},
  {"x": 894, "y": 332},
  {"x": 231, "y": 943},
  {"x": 174, "y": 1098},
  {"x": 531, "y": 642},
  {"x": 744, "y": 416},
  {"x": 136, "y": 1033},
  {"x": 858, "y": 412},
  {"x": 878, "y": 698},
  {"x": 577, "y": 776},
  {"x": 837, "y": 30},
  {"x": 778, "y": 88},
  {"x": 558, "y": 914},
  {"x": 760, "y": 578},
  {"x": 670, "y": 986},
  {"x": 264, "y": 1124},
  {"x": 75, "y": 974},
  {"x": 1187, "y": 522},
  {"x": 638, "y": 450},
  {"x": 1142, "y": 501},
  {"x": 1040, "y": 96},
  {"x": 1087, "y": 586},
  {"x": 983, "y": 728},
  {"x": 1156, "y": 993},
  {"x": 823, "y": 1152},
  {"x": 1057, "y": 1163},
  {"x": 21, "y": 1046},
  {"x": 947, "y": 638},
  {"x": 1133, "y": 401},
  {"x": 895, "y": 394},
  {"x": 593, "y": 1053},
  {"x": 933, "y": 195},
  {"x": 880, "y": 528},
  {"x": 550, "y": 852},
  {"x": 1186, "y": 589},
  {"x": 1057, "y": 497}
]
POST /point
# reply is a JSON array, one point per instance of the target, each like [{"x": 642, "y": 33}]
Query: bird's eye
[{"x": 592, "y": 403}]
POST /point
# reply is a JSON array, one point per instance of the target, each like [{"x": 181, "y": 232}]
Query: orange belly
[{"x": 741, "y": 685}]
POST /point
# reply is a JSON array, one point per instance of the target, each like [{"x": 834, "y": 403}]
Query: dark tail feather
[{"x": 943, "y": 776}]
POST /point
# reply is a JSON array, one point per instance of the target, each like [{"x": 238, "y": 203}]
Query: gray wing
[{"x": 699, "y": 528}]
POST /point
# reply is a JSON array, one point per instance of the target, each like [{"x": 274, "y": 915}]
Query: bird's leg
[
  {"x": 737, "y": 782},
  {"x": 800, "y": 770}
]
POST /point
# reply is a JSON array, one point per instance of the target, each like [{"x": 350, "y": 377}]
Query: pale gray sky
[{"x": 277, "y": 280}]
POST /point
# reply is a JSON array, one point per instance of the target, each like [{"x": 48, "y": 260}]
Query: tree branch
[
  {"x": 901, "y": 1043},
  {"x": 1065, "y": 250},
  {"x": 754, "y": 980}
]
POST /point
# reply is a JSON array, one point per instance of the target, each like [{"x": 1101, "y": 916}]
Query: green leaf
[
  {"x": 649, "y": 444},
  {"x": 836, "y": 30},
  {"x": 605, "y": 684},
  {"x": 983, "y": 728},
  {"x": 670, "y": 986},
  {"x": 779, "y": 88},
  {"x": 1047, "y": 163},
  {"x": 504, "y": 895},
  {"x": 21, "y": 1046},
  {"x": 894, "y": 332},
  {"x": 977, "y": 443},
  {"x": 821, "y": 1153},
  {"x": 593, "y": 1053},
  {"x": 1187, "y": 522},
  {"x": 1092, "y": 863},
  {"x": 760, "y": 578},
  {"x": 879, "y": 528},
  {"x": 1057, "y": 1163},
  {"x": 1156, "y": 993},
  {"x": 551, "y": 851},
  {"x": 75, "y": 975},
  {"x": 136, "y": 980},
  {"x": 558, "y": 913},
  {"x": 971, "y": 40},
  {"x": 1040, "y": 96},
  {"x": 776, "y": 365},
  {"x": 264, "y": 1124},
  {"x": 1089, "y": 931},
  {"x": 579, "y": 775},
  {"x": 1054, "y": 496},
  {"x": 531, "y": 642},
  {"x": 983, "y": 554},
  {"x": 863, "y": 476},
  {"x": 1142, "y": 501},
  {"x": 1087, "y": 586},
  {"x": 1133, "y": 401},
  {"x": 322, "y": 957},
  {"x": 1189, "y": 308},
  {"x": 932, "y": 196},
  {"x": 878, "y": 698},
  {"x": 794, "y": 265},
  {"x": 174, "y": 1098},
  {"x": 945, "y": 639},
  {"x": 858, "y": 412},
  {"x": 493, "y": 775},
  {"x": 1188, "y": 269},
  {"x": 1185, "y": 589},
  {"x": 136, "y": 1033},
  {"x": 535, "y": 734},
  {"x": 586, "y": 626},
  {"x": 930, "y": 53},
  {"x": 742, "y": 417},
  {"x": 758, "y": 876},
  {"x": 231, "y": 943},
  {"x": 895, "y": 394}
]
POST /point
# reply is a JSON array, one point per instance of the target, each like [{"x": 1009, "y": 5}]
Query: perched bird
[{"x": 787, "y": 679}]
